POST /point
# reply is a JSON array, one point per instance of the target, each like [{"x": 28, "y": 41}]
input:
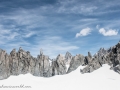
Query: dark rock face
[
  {"x": 110, "y": 56},
  {"x": 88, "y": 59},
  {"x": 76, "y": 62},
  {"x": 114, "y": 57},
  {"x": 96, "y": 61},
  {"x": 93, "y": 65}
]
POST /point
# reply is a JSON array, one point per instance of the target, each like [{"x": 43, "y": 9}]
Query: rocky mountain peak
[
  {"x": 22, "y": 62},
  {"x": 68, "y": 57}
]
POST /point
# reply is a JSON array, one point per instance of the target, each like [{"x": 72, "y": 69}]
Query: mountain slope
[
  {"x": 101, "y": 79},
  {"x": 22, "y": 62}
]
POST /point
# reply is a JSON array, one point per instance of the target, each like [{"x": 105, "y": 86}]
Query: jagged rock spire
[
  {"x": 68, "y": 57},
  {"x": 21, "y": 62},
  {"x": 41, "y": 51},
  {"x": 76, "y": 62},
  {"x": 89, "y": 55}
]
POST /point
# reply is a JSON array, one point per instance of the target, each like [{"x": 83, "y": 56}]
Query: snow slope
[{"x": 101, "y": 79}]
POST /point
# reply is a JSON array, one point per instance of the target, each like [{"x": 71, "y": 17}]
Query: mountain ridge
[{"x": 22, "y": 62}]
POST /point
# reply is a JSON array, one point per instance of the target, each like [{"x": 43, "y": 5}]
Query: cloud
[
  {"x": 3, "y": 30},
  {"x": 27, "y": 25},
  {"x": 29, "y": 34},
  {"x": 109, "y": 32},
  {"x": 43, "y": 30},
  {"x": 84, "y": 32},
  {"x": 89, "y": 9},
  {"x": 7, "y": 34},
  {"x": 13, "y": 35},
  {"x": 69, "y": 8}
]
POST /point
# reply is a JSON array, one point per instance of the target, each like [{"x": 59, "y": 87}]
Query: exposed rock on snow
[
  {"x": 59, "y": 66},
  {"x": 111, "y": 57},
  {"x": 76, "y": 62},
  {"x": 4, "y": 65},
  {"x": 68, "y": 58},
  {"x": 22, "y": 62}
]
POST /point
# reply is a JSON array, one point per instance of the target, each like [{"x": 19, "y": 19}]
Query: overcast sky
[{"x": 58, "y": 26}]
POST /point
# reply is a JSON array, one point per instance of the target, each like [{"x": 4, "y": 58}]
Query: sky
[{"x": 58, "y": 26}]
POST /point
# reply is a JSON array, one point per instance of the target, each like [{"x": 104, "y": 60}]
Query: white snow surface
[{"x": 101, "y": 79}]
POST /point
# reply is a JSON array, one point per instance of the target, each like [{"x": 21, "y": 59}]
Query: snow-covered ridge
[
  {"x": 101, "y": 79},
  {"x": 22, "y": 62}
]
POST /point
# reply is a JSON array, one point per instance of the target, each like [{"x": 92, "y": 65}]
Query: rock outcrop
[
  {"x": 68, "y": 58},
  {"x": 22, "y": 62},
  {"x": 59, "y": 66},
  {"x": 114, "y": 58},
  {"x": 76, "y": 62},
  {"x": 110, "y": 56},
  {"x": 4, "y": 65}
]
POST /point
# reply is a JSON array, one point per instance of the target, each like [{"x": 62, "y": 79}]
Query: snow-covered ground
[{"x": 101, "y": 79}]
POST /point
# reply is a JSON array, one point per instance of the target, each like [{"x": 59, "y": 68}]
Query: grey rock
[
  {"x": 76, "y": 62},
  {"x": 91, "y": 66},
  {"x": 54, "y": 68},
  {"x": 14, "y": 62},
  {"x": 110, "y": 56},
  {"x": 116, "y": 68},
  {"x": 42, "y": 66},
  {"x": 22, "y": 62},
  {"x": 59, "y": 66},
  {"x": 4, "y": 65},
  {"x": 89, "y": 55},
  {"x": 41, "y": 51},
  {"x": 88, "y": 59},
  {"x": 23, "y": 59},
  {"x": 68, "y": 58},
  {"x": 102, "y": 52},
  {"x": 32, "y": 65}
]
